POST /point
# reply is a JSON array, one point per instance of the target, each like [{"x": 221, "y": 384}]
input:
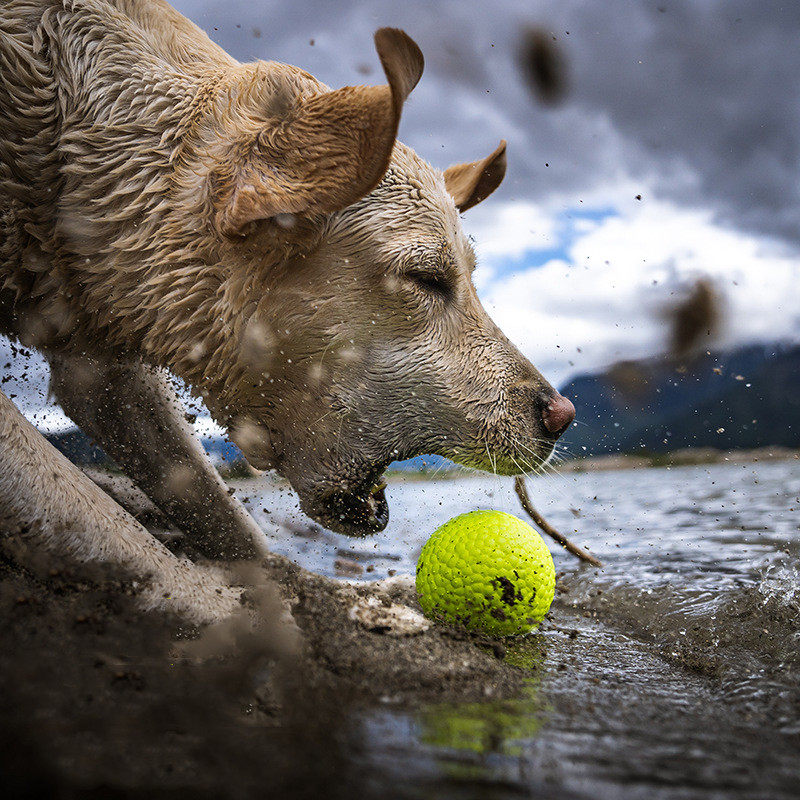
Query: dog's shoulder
[{"x": 172, "y": 36}]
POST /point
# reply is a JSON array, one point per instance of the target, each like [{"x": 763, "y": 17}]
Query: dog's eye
[{"x": 431, "y": 281}]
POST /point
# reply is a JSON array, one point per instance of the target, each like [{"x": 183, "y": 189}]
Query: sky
[{"x": 673, "y": 154}]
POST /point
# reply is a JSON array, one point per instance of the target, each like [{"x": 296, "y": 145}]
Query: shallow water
[{"x": 674, "y": 671}]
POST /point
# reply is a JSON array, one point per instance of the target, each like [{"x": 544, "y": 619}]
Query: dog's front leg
[
  {"x": 47, "y": 503},
  {"x": 137, "y": 418}
]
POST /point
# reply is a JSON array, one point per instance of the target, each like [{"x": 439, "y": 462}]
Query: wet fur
[{"x": 157, "y": 212}]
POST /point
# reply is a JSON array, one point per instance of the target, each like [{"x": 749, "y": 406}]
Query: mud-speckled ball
[{"x": 487, "y": 571}]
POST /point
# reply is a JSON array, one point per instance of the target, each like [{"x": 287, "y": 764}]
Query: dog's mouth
[{"x": 359, "y": 511}]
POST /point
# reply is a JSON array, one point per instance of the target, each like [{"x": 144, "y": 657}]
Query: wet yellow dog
[{"x": 164, "y": 207}]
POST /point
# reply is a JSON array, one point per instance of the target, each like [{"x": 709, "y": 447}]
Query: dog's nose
[{"x": 558, "y": 414}]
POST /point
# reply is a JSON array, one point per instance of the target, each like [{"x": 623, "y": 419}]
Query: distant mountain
[
  {"x": 743, "y": 398},
  {"x": 78, "y": 447},
  {"x": 221, "y": 450},
  {"x": 429, "y": 465},
  {"x": 224, "y": 451}
]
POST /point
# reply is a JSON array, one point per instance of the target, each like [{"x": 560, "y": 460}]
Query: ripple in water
[{"x": 672, "y": 671}]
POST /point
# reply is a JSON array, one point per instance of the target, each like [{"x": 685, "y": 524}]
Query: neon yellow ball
[{"x": 487, "y": 571}]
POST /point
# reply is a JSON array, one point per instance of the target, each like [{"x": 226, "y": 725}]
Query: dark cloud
[
  {"x": 711, "y": 88},
  {"x": 699, "y": 98}
]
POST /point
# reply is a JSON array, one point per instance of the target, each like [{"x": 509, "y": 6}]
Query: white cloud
[
  {"x": 510, "y": 230},
  {"x": 604, "y": 302}
]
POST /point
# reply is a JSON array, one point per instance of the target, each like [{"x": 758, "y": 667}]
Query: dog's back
[
  {"x": 172, "y": 36},
  {"x": 34, "y": 101},
  {"x": 29, "y": 169}
]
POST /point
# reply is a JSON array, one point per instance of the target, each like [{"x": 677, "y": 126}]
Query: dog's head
[{"x": 361, "y": 338}]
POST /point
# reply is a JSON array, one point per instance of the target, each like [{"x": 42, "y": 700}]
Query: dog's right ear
[
  {"x": 332, "y": 149},
  {"x": 470, "y": 183}
]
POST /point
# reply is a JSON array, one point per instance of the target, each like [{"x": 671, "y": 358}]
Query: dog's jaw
[{"x": 351, "y": 510}]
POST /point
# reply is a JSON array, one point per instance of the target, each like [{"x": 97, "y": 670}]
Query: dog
[{"x": 167, "y": 209}]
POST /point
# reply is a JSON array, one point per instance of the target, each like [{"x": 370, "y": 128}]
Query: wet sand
[{"x": 98, "y": 701}]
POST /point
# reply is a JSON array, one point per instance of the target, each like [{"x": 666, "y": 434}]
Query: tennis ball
[{"x": 488, "y": 571}]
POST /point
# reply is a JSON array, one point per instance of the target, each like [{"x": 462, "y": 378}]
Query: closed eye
[{"x": 431, "y": 281}]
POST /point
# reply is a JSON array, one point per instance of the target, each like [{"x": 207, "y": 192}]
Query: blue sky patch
[{"x": 567, "y": 231}]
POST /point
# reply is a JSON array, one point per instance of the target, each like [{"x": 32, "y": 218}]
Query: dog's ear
[
  {"x": 333, "y": 148},
  {"x": 470, "y": 183}
]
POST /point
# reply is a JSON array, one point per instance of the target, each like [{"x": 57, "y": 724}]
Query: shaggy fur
[{"x": 264, "y": 238}]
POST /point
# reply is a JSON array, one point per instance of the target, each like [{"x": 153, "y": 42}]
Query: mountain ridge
[{"x": 742, "y": 398}]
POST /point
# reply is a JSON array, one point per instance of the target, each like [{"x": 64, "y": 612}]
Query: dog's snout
[{"x": 558, "y": 414}]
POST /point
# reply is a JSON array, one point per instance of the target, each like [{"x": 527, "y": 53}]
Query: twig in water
[{"x": 522, "y": 493}]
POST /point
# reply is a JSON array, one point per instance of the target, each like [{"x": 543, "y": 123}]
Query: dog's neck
[{"x": 135, "y": 239}]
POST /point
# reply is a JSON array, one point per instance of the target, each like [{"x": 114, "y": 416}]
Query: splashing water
[{"x": 673, "y": 671}]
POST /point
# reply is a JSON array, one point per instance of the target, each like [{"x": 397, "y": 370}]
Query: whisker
[
  {"x": 326, "y": 414},
  {"x": 492, "y": 461},
  {"x": 537, "y": 466},
  {"x": 438, "y": 469},
  {"x": 530, "y": 466},
  {"x": 521, "y": 467},
  {"x": 535, "y": 459}
]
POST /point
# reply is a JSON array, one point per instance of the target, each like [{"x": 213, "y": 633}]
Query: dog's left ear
[
  {"x": 332, "y": 149},
  {"x": 470, "y": 183}
]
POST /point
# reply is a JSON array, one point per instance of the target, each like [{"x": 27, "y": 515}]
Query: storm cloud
[{"x": 700, "y": 100}]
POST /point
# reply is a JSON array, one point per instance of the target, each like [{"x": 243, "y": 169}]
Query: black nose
[{"x": 558, "y": 414}]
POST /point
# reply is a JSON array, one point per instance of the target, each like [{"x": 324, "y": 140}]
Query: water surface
[{"x": 673, "y": 671}]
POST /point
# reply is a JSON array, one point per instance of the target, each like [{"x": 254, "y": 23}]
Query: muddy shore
[{"x": 101, "y": 700}]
